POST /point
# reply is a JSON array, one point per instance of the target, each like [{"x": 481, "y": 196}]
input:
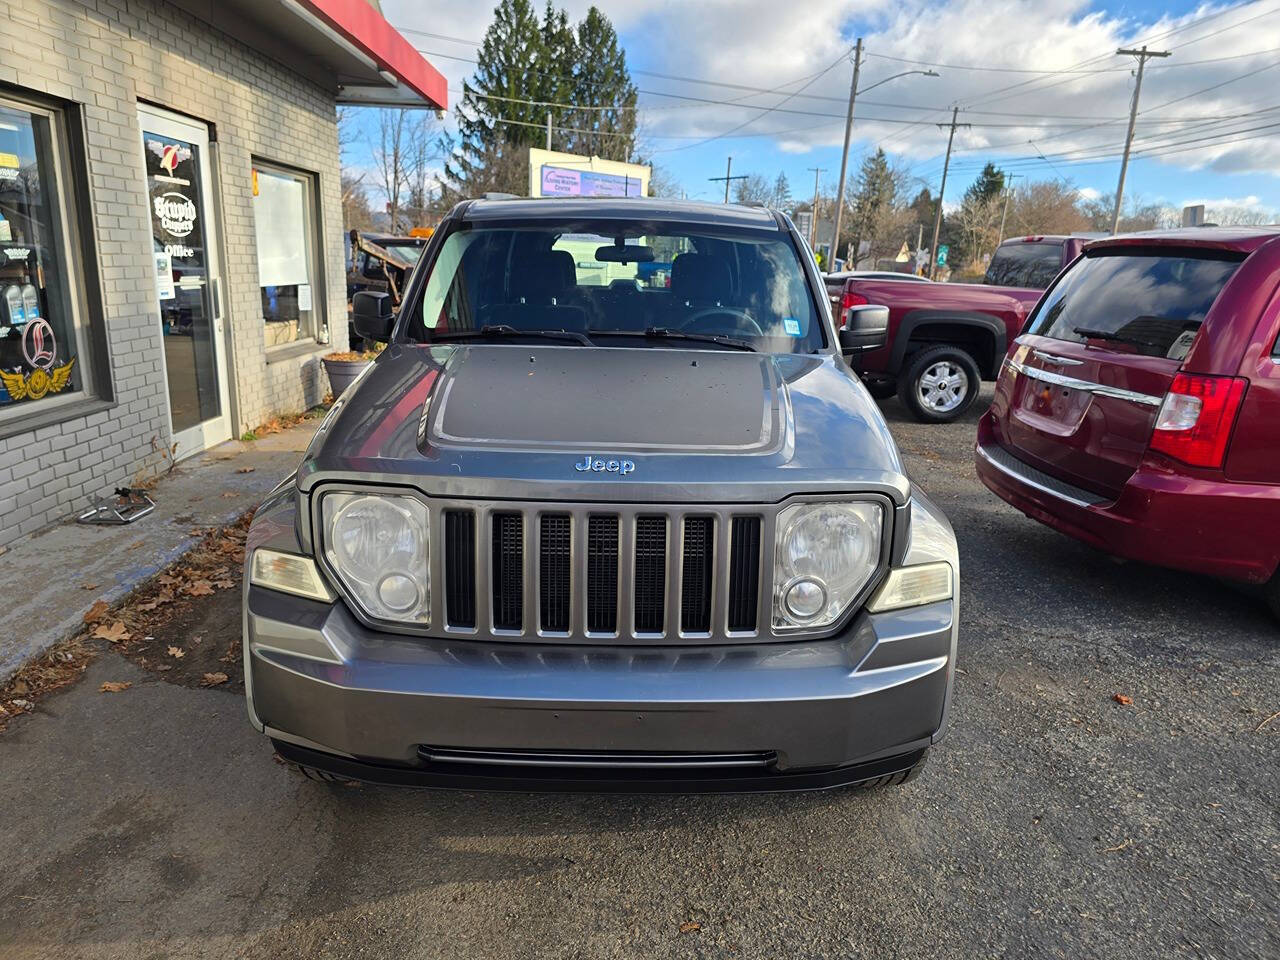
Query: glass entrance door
[{"x": 184, "y": 239}]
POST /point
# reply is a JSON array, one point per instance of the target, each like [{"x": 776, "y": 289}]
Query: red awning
[
  {"x": 405, "y": 74},
  {"x": 344, "y": 45}
]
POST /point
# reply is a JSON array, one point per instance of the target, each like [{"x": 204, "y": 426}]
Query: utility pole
[
  {"x": 1008, "y": 190},
  {"x": 1143, "y": 56},
  {"x": 844, "y": 157},
  {"x": 728, "y": 178},
  {"x": 548, "y": 130},
  {"x": 937, "y": 215},
  {"x": 813, "y": 219}
]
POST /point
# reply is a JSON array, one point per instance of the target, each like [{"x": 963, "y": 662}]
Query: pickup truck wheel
[{"x": 939, "y": 384}]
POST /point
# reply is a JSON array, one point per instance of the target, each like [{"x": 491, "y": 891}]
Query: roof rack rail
[{"x": 496, "y": 195}]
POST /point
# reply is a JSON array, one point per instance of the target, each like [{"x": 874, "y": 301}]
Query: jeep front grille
[{"x": 562, "y": 572}]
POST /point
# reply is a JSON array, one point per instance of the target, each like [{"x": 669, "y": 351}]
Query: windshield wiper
[
  {"x": 665, "y": 333},
  {"x": 498, "y": 330},
  {"x": 1092, "y": 334}
]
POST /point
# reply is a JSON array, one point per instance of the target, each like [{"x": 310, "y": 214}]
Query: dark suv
[
  {"x": 577, "y": 526},
  {"x": 1139, "y": 410}
]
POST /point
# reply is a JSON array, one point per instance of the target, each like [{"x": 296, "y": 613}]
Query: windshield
[
  {"x": 1031, "y": 265},
  {"x": 621, "y": 277},
  {"x": 1152, "y": 303},
  {"x": 408, "y": 252}
]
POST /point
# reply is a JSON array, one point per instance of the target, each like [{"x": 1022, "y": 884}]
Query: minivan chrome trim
[
  {"x": 1086, "y": 386},
  {"x": 1060, "y": 361}
]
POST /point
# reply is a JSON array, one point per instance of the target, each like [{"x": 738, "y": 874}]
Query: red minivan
[{"x": 1139, "y": 410}]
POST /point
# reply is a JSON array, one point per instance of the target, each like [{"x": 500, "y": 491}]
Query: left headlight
[
  {"x": 379, "y": 546},
  {"x": 825, "y": 555}
]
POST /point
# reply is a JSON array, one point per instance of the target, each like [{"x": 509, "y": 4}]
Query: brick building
[{"x": 171, "y": 251}]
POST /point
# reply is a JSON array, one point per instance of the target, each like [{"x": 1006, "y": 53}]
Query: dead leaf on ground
[
  {"x": 199, "y": 588},
  {"x": 177, "y": 653},
  {"x": 114, "y": 686},
  {"x": 115, "y": 632},
  {"x": 690, "y": 927},
  {"x": 246, "y": 470},
  {"x": 224, "y": 584},
  {"x": 213, "y": 679},
  {"x": 135, "y": 545},
  {"x": 97, "y": 611},
  {"x": 88, "y": 586},
  {"x": 229, "y": 494},
  {"x": 1122, "y": 699}
]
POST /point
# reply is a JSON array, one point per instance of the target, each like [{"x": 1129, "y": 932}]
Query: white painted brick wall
[{"x": 107, "y": 55}]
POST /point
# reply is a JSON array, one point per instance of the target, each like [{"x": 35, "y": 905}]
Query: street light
[{"x": 848, "y": 130}]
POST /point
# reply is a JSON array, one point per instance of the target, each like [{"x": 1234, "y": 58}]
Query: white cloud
[
  {"x": 1089, "y": 193},
  {"x": 1250, "y": 202},
  {"x": 1071, "y": 118}
]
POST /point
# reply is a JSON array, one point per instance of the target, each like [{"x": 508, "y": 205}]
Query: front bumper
[
  {"x": 1161, "y": 517},
  {"x": 338, "y": 696}
]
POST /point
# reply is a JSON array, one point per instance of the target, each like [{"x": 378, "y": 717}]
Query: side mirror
[
  {"x": 866, "y": 328},
  {"x": 371, "y": 311}
]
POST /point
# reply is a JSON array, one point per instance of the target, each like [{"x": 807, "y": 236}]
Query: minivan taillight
[
  {"x": 1195, "y": 420},
  {"x": 850, "y": 299}
]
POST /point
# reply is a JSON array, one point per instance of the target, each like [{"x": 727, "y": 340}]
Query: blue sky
[{"x": 1201, "y": 109}]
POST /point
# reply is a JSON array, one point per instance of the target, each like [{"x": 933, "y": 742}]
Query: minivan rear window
[{"x": 1148, "y": 303}]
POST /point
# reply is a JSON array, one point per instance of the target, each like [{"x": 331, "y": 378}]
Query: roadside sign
[
  {"x": 942, "y": 254},
  {"x": 903, "y": 255}
]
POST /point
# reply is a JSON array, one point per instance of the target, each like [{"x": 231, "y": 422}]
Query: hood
[{"x": 585, "y": 423}]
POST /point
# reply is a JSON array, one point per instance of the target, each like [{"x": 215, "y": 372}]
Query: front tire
[{"x": 939, "y": 384}]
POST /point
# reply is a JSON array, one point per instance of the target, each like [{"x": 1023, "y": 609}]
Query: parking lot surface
[{"x": 1054, "y": 820}]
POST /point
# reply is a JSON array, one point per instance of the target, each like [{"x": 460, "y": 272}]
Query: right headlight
[
  {"x": 379, "y": 545},
  {"x": 824, "y": 556}
]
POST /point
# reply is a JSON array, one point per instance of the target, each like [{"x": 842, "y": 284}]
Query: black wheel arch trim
[{"x": 960, "y": 318}]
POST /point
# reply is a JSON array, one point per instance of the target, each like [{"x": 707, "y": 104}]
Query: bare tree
[
  {"x": 407, "y": 149},
  {"x": 1238, "y": 216},
  {"x": 1044, "y": 206}
]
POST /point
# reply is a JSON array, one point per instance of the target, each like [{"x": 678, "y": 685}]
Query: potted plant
[{"x": 343, "y": 366}]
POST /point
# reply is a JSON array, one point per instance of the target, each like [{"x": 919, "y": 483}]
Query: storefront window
[
  {"x": 39, "y": 348},
  {"x": 284, "y": 221}
]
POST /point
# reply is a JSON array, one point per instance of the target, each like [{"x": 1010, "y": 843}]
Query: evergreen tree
[
  {"x": 528, "y": 68},
  {"x": 873, "y": 197},
  {"x": 988, "y": 186},
  {"x": 601, "y": 79},
  {"x": 554, "y": 82},
  {"x": 487, "y": 154}
]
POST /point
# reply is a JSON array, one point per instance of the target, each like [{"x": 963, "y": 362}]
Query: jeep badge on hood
[{"x": 593, "y": 465}]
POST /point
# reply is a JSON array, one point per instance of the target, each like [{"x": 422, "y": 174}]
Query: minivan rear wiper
[
  {"x": 499, "y": 330},
  {"x": 666, "y": 333},
  {"x": 1091, "y": 334}
]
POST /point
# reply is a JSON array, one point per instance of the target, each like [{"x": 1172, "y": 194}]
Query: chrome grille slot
[
  {"x": 697, "y": 574},
  {"x": 508, "y": 571},
  {"x": 555, "y": 567},
  {"x": 602, "y": 574},
  {"x": 650, "y": 577},
  {"x": 460, "y": 568},
  {"x": 744, "y": 574}
]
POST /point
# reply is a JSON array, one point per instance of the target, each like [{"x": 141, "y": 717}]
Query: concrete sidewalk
[{"x": 51, "y": 578}]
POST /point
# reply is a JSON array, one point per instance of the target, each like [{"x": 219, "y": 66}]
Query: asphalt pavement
[{"x": 1053, "y": 821}]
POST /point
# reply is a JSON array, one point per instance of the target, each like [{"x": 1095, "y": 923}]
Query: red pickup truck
[{"x": 945, "y": 338}]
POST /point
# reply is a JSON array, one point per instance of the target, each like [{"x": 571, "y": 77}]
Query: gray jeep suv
[{"x": 610, "y": 511}]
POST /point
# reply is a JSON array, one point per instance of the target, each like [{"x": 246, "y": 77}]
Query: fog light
[
  {"x": 398, "y": 592},
  {"x": 805, "y": 599}
]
